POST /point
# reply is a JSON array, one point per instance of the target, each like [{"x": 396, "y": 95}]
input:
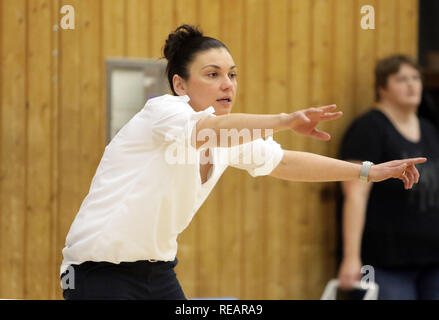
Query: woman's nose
[{"x": 226, "y": 83}]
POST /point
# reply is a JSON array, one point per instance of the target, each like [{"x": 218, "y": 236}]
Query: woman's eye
[
  {"x": 212, "y": 74},
  {"x": 233, "y": 75}
]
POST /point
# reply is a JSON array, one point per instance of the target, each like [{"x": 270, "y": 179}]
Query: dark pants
[
  {"x": 409, "y": 284},
  {"x": 140, "y": 280}
]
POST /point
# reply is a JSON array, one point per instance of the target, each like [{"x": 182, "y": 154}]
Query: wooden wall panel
[
  {"x": 56, "y": 240},
  {"x": 408, "y": 27},
  {"x": 207, "y": 222},
  {"x": 38, "y": 189},
  {"x": 345, "y": 30},
  {"x": 299, "y": 97},
  {"x": 275, "y": 211},
  {"x": 2, "y": 172},
  {"x": 91, "y": 70},
  {"x": 187, "y": 12},
  {"x": 366, "y": 46},
  {"x": 162, "y": 22},
  {"x": 386, "y": 27},
  {"x": 253, "y": 238},
  {"x": 70, "y": 126},
  {"x": 14, "y": 148},
  {"x": 254, "y": 249},
  {"x": 229, "y": 188},
  {"x": 321, "y": 94},
  {"x": 137, "y": 26},
  {"x": 113, "y": 28}
]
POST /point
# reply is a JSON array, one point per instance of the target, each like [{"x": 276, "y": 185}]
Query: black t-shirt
[{"x": 402, "y": 226}]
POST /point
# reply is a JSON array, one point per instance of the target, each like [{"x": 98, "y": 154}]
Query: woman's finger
[
  {"x": 405, "y": 179},
  {"x": 411, "y": 178},
  {"x": 328, "y": 108},
  {"x": 331, "y": 116},
  {"x": 409, "y": 161},
  {"x": 312, "y": 111},
  {"x": 414, "y": 172},
  {"x": 414, "y": 161},
  {"x": 321, "y": 135}
]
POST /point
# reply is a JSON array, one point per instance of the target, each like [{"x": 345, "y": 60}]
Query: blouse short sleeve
[
  {"x": 173, "y": 119},
  {"x": 258, "y": 157}
]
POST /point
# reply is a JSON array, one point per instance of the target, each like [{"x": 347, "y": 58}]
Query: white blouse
[{"x": 147, "y": 187}]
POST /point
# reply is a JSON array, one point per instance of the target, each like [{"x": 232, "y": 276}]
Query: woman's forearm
[
  {"x": 309, "y": 167},
  {"x": 232, "y": 129},
  {"x": 237, "y": 128},
  {"x": 354, "y": 212}
]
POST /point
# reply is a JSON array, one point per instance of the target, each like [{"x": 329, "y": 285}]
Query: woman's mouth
[{"x": 225, "y": 101}]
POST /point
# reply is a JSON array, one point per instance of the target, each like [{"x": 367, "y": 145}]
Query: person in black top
[{"x": 392, "y": 229}]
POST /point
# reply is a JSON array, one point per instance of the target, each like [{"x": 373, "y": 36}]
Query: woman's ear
[
  {"x": 381, "y": 93},
  {"x": 179, "y": 85}
]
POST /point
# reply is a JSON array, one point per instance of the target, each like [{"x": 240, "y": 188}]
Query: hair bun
[{"x": 182, "y": 35}]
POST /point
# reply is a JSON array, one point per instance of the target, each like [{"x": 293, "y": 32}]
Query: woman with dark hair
[
  {"x": 393, "y": 230},
  {"x": 161, "y": 166}
]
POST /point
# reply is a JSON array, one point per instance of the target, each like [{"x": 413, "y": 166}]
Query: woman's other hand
[
  {"x": 349, "y": 273},
  {"x": 305, "y": 121}
]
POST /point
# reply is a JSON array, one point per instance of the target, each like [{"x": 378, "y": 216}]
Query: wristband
[{"x": 365, "y": 168}]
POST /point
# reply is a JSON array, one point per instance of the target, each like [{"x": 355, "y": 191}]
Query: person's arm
[
  {"x": 356, "y": 195},
  {"x": 260, "y": 125},
  {"x": 309, "y": 167}
]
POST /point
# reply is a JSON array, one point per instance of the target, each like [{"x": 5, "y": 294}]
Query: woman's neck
[
  {"x": 400, "y": 114},
  {"x": 404, "y": 119}
]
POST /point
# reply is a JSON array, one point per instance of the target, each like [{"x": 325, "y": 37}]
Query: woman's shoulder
[
  {"x": 371, "y": 115},
  {"x": 167, "y": 105},
  {"x": 427, "y": 123},
  {"x": 364, "y": 138},
  {"x": 370, "y": 119},
  {"x": 429, "y": 128},
  {"x": 166, "y": 99}
]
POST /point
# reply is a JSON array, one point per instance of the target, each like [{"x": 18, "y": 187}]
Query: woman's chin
[
  {"x": 411, "y": 103},
  {"x": 221, "y": 110}
]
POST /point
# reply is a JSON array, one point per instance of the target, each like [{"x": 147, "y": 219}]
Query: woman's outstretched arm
[
  {"x": 260, "y": 125},
  {"x": 304, "y": 166}
]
